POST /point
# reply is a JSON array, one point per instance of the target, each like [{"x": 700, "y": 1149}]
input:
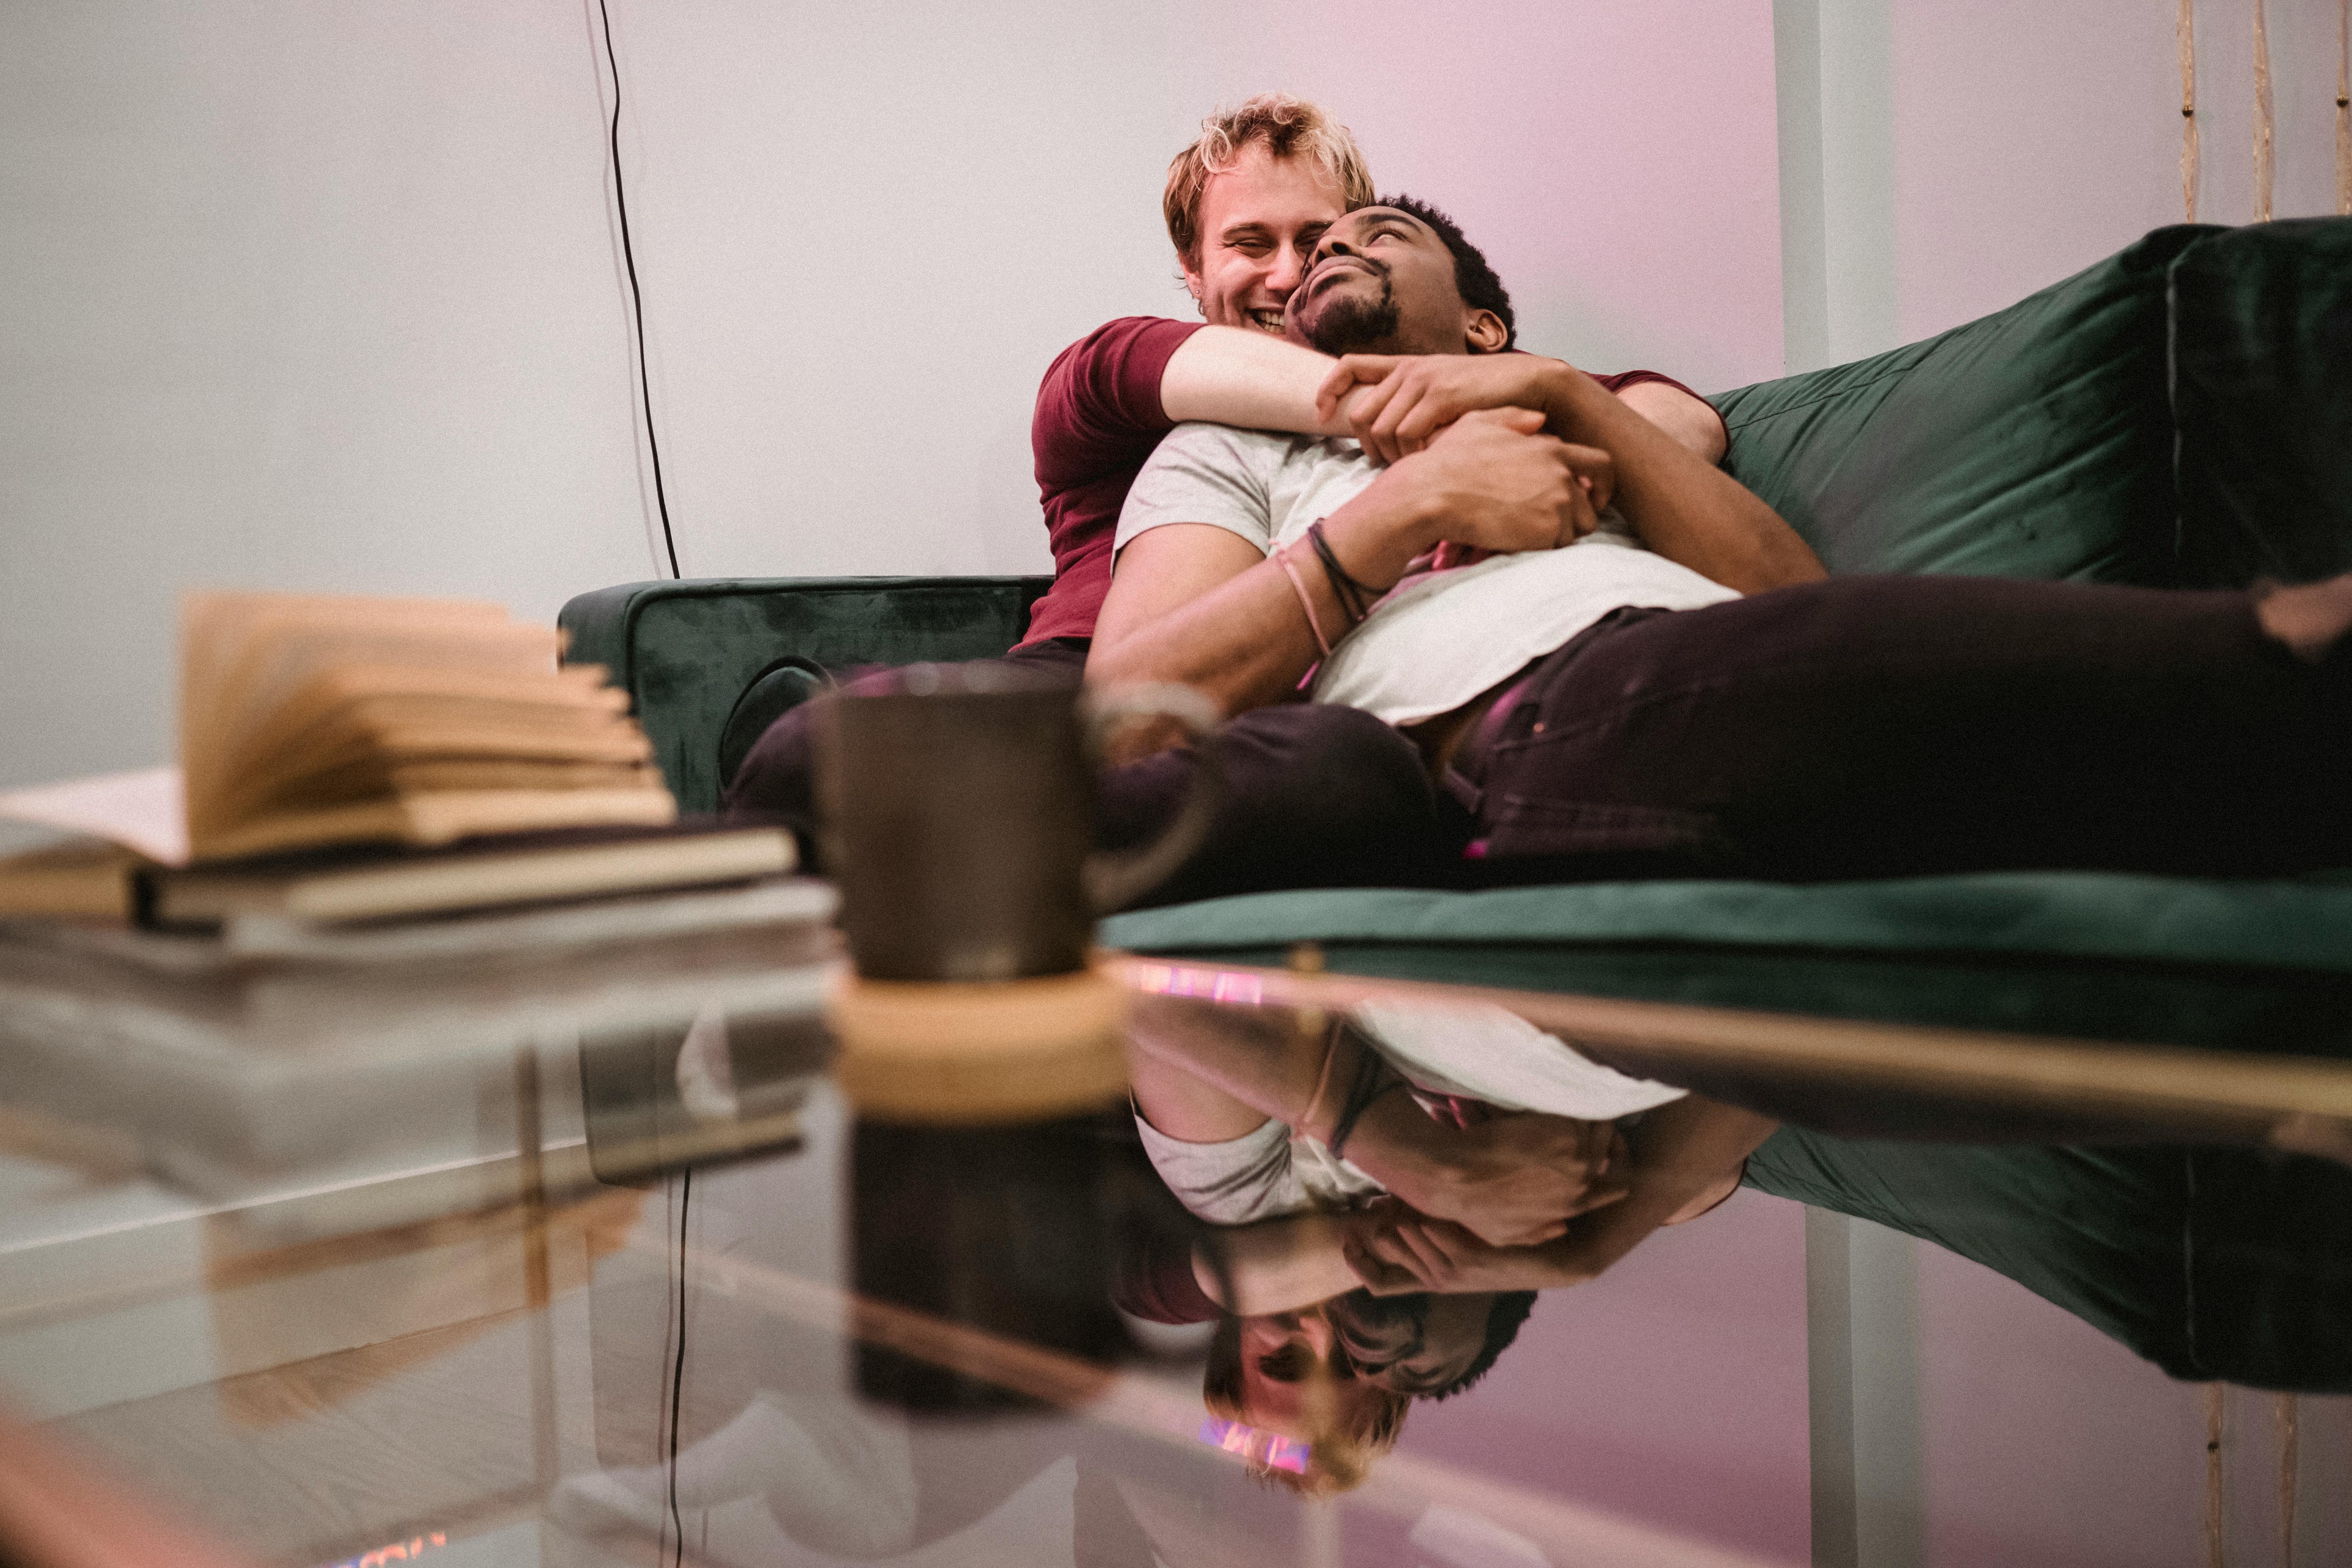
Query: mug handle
[{"x": 1114, "y": 880}]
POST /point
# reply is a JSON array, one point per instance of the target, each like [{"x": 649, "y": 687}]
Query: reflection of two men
[
  {"x": 1386, "y": 1212},
  {"x": 1386, "y": 1196}
]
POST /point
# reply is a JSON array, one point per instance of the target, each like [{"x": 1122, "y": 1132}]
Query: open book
[
  {"x": 334, "y": 752},
  {"x": 311, "y": 721}
]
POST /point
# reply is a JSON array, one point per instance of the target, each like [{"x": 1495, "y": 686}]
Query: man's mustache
[{"x": 1379, "y": 269}]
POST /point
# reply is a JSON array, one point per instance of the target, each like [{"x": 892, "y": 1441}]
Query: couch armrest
[{"x": 686, "y": 651}]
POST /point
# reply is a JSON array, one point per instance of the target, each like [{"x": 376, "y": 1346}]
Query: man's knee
[
  {"x": 1313, "y": 796},
  {"x": 776, "y": 782},
  {"x": 1332, "y": 768},
  {"x": 775, "y": 785}
]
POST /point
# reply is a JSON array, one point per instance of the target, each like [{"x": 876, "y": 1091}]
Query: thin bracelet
[
  {"x": 1359, "y": 597},
  {"x": 1343, "y": 587},
  {"x": 1305, "y": 602},
  {"x": 1370, "y": 1082}
]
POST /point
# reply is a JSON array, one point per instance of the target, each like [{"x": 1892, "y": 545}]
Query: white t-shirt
[
  {"x": 1470, "y": 1048},
  {"x": 1439, "y": 639}
]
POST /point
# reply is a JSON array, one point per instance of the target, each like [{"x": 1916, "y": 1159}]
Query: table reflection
[{"x": 1348, "y": 1283}]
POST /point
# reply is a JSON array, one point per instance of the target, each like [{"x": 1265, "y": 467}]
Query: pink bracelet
[
  {"x": 1323, "y": 1078},
  {"x": 1305, "y": 601}
]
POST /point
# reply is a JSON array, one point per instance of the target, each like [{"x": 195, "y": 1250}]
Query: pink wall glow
[
  {"x": 1617, "y": 163},
  {"x": 1671, "y": 1391}
]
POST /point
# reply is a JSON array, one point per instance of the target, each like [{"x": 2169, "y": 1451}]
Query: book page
[
  {"x": 243, "y": 655},
  {"x": 141, "y": 811}
]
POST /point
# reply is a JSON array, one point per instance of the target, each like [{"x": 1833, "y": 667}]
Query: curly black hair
[
  {"x": 1474, "y": 277},
  {"x": 1503, "y": 1319}
]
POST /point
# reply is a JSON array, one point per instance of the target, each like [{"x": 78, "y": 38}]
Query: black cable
[
  {"x": 677, "y": 1367},
  {"x": 637, "y": 306}
]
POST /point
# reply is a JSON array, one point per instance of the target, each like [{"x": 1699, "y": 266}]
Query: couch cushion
[
  {"x": 2034, "y": 443},
  {"x": 2261, "y": 366},
  {"x": 2300, "y": 923},
  {"x": 685, "y": 652},
  {"x": 2259, "y": 966}
]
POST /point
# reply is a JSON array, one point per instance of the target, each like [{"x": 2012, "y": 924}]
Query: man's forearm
[
  {"x": 1262, "y": 1059},
  {"x": 1234, "y": 375},
  {"x": 1275, "y": 1266},
  {"x": 1248, "y": 641},
  {"x": 1684, "y": 508},
  {"x": 1687, "y": 1148}
]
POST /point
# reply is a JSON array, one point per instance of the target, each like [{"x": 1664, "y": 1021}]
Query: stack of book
[
  {"x": 401, "y": 842},
  {"x": 355, "y": 759}
]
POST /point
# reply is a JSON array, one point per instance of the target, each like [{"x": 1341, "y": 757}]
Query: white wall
[
  {"x": 314, "y": 295},
  {"x": 1971, "y": 155},
  {"x": 326, "y": 295}
]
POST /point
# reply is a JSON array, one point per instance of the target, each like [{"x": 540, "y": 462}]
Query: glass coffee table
[{"x": 614, "y": 1253}]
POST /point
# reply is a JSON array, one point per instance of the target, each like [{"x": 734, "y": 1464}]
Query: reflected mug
[{"x": 958, "y": 810}]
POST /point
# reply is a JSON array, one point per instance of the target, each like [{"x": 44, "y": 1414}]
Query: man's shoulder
[
  {"x": 1120, "y": 344},
  {"x": 1098, "y": 408}
]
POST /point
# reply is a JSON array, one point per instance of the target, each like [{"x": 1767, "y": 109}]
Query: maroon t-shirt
[{"x": 1098, "y": 419}]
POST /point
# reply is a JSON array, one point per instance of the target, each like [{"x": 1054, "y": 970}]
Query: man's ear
[
  {"x": 1193, "y": 284},
  {"x": 1485, "y": 332}
]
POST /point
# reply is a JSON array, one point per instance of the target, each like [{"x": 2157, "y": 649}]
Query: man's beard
[
  {"x": 1352, "y": 324},
  {"x": 1381, "y": 1330}
]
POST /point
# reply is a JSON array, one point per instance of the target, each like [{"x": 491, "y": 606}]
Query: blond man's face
[{"x": 1260, "y": 220}]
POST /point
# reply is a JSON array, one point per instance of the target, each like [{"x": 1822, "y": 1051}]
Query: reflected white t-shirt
[{"x": 1439, "y": 639}]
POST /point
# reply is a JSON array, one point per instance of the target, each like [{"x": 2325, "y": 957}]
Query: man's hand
[
  {"x": 1394, "y": 1252},
  {"x": 1406, "y": 399},
  {"x": 1493, "y": 481},
  {"x": 1513, "y": 1180}
]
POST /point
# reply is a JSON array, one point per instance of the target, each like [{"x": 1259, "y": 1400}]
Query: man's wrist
[
  {"x": 1397, "y": 1143},
  {"x": 1569, "y": 403},
  {"x": 1378, "y": 534}
]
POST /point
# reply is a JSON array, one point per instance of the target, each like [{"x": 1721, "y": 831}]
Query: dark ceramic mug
[{"x": 958, "y": 803}]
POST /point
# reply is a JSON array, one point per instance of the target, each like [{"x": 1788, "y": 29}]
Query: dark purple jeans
[
  {"x": 1314, "y": 796},
  {"x": 1893, "y": 726}
]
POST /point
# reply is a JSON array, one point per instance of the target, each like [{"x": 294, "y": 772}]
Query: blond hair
[
  {"x": 1341, "y": 1444},
  {"x": 1290, "y": 127}
]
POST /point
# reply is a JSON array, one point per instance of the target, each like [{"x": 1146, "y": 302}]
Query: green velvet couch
[{"x": 2180, "y": 414}]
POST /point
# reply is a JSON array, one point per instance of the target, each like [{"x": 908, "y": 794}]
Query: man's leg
[
  {"x": 776, "y": 782},
  {"x": 1314, "y": 796},
  {"x": 1872, "y": 727}
]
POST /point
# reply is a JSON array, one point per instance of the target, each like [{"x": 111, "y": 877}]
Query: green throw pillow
[{"x": 2036, "y": 442}]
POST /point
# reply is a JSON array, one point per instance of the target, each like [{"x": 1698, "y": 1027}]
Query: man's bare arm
[
  {"x": 1242, "y": 377},
  {"x": 1514, "y": 1179},
  {"x": 1686, "y": 509},
  {"x": 1689, "y": 420},
  {"x": 1245, "y": 378},
  {"x": 1689, "y": 511},
  {"x": 1198, "y": 605},
  {"x": 1278, "y": 1265},
  {"x": 1690, "y": 1156}
]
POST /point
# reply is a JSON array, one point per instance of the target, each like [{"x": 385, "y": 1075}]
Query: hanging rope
[
  {"x": 2215, "y": 1428},
  {"x": 2261, "y": 116},
  {"x": 2343, "y": 107},
  {"x": 2188, "y": 38},
  {"x": 2283, "y": 1412}
]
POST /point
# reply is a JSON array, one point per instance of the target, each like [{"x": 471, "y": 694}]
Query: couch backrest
[
  {"x": 688, "y": 652},
  {"x": 2261, "y": 397},
  {"x": 2036, "y": 442}
]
